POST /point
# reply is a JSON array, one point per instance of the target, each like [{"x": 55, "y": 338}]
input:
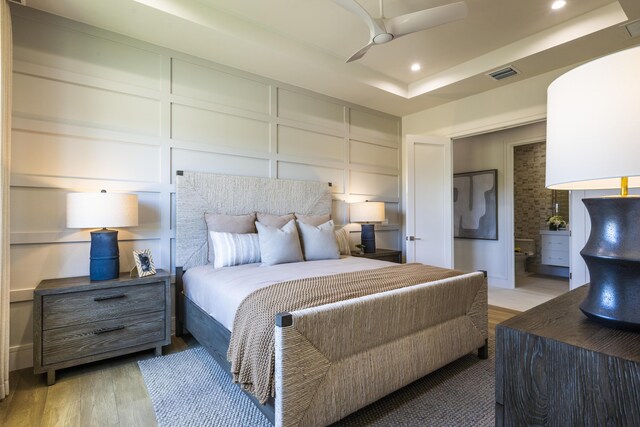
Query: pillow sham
[
  {"x": 342, "y": 237},
  {"x": 315, "y": 220},
  {"x": 227, "y": 224},
  {"x": 279, "y": 245},
  {"x": 319, "y": 242},
  {"x": 277, "y": 221},
  {"x": 234, "y": 248}
]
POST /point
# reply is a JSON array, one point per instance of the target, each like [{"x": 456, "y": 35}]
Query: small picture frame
[{"x": 144, "y": 263}]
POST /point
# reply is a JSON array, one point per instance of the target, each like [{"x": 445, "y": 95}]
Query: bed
[{"x": 333, "y": 359}]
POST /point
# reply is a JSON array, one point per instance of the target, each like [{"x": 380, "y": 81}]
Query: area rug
[{"x": 190, "y": 389}]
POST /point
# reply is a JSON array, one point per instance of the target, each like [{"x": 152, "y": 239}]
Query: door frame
[{"x": 510, "y": 205}]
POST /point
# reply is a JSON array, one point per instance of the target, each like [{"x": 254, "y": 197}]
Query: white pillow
[
  {"x": 319, "y": 242},
  {"x": 234, "y": 248},
  {"x": 279, "y": 245},
  {"x": 342, "y": 236}
]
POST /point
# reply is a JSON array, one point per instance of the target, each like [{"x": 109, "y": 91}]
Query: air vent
[
  {"x": 503, "y": 73},
  {"x": 633, "y": 28}
]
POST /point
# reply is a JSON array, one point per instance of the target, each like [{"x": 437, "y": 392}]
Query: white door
[{"x": 429, "y": 201}]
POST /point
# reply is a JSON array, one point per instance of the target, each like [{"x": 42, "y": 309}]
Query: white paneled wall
[{"x": 95, "y": 110}]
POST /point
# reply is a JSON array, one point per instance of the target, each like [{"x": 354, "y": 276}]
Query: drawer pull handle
[
  {"x": 105, "y": 330},
  {"x": 109, "y": 297}
]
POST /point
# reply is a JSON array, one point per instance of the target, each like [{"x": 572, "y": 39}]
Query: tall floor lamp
[
  {"x": 593, "y": 142},
  {"x": 95, "y": 210},
  {"x": 367, "y": 213}
]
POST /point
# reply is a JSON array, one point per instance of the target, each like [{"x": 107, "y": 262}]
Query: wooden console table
[{"x": 556, "y": 367}]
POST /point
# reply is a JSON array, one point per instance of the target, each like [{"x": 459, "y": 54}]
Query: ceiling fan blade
[
  {"x": 424, "y": 19},
  {"x": 375, "y": 26},
  {"x": 359, "y": 54}
]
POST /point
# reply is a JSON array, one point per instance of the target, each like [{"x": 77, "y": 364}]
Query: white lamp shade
[
  {"x": 367, "y": 212},
  {"x": 593, "y": 124},
  {"x": 101, "y": 210}
]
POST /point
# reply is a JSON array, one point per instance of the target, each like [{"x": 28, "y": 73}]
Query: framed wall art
[{"x": 475, "y": 205}]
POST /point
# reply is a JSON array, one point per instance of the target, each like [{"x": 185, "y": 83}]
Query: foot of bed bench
[{"x": 483, "y": 352}]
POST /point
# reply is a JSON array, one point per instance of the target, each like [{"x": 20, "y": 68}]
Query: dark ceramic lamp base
[
  {"x": 105, "y": 256},
  {"x": 368, "y": 238},
  {"x": 612, "y": 255}
]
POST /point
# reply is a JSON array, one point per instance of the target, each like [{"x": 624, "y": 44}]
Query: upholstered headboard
[{"x": 198, "y": 192}]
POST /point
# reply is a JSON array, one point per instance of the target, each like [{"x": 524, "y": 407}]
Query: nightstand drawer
[
  {"x": 75, "y": 342},
  {"x": 92, "y": 306}
]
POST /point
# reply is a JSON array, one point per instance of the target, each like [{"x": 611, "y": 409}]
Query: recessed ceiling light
[
  {"x": 415, "y": 67},
  {"x": 558, "y": 4}
]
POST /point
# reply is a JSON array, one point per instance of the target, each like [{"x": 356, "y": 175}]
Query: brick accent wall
[{"x": 532, "y": 201}]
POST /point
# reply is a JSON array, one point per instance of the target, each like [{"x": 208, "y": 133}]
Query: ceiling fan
[{"x": 383, "y": 30}]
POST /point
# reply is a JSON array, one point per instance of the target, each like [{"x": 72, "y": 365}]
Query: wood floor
[{"x": 108, "y": 393}]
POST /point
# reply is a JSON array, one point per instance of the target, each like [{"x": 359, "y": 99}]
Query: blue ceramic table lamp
[
  {"x": 366, "y": 213},
  {"x": 593, "y": 143},
  {"x": 95, "y": 210}
]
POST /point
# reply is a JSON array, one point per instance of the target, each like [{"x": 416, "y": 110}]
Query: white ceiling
[{"x": 305, "y": 42}]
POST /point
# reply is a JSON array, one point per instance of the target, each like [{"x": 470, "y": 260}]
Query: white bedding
[{"x": 220, "y": 291}]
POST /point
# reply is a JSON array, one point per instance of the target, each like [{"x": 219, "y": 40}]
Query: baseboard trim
[
  {"x": 20, "y": 357},
  {"x": 499, "y": 283}
]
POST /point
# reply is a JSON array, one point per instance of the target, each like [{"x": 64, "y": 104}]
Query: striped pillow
[
  {"x": 234, "y": 248},
  {"x": 342, "y": 237}
]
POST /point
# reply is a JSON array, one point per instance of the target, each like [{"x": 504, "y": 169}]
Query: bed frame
[
  {"x": 211, "y": 334},
  {"x": 323, "y": 371}
]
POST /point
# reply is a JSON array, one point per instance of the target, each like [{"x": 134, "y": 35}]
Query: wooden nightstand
[
  {"x": 77, "y": 321},
  {"x": 556, "y": 367},
  {"x": 383, "y": 255}
]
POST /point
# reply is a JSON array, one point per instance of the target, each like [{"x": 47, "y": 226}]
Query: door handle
[{"x": 412, "y": 238}]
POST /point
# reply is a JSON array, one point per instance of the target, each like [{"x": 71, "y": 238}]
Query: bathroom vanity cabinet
[{"x": 555, "y": 247}]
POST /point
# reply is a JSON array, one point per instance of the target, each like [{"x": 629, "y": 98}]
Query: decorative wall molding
[{"x": 102, "y": 110}]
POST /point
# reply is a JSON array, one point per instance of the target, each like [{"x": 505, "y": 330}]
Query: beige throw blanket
[{"x": 252, "y": 350}]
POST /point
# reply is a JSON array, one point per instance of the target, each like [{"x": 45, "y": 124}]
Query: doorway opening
[
  {"x": 540, "y": 283},
  {"x": 540, "y": 226}
]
